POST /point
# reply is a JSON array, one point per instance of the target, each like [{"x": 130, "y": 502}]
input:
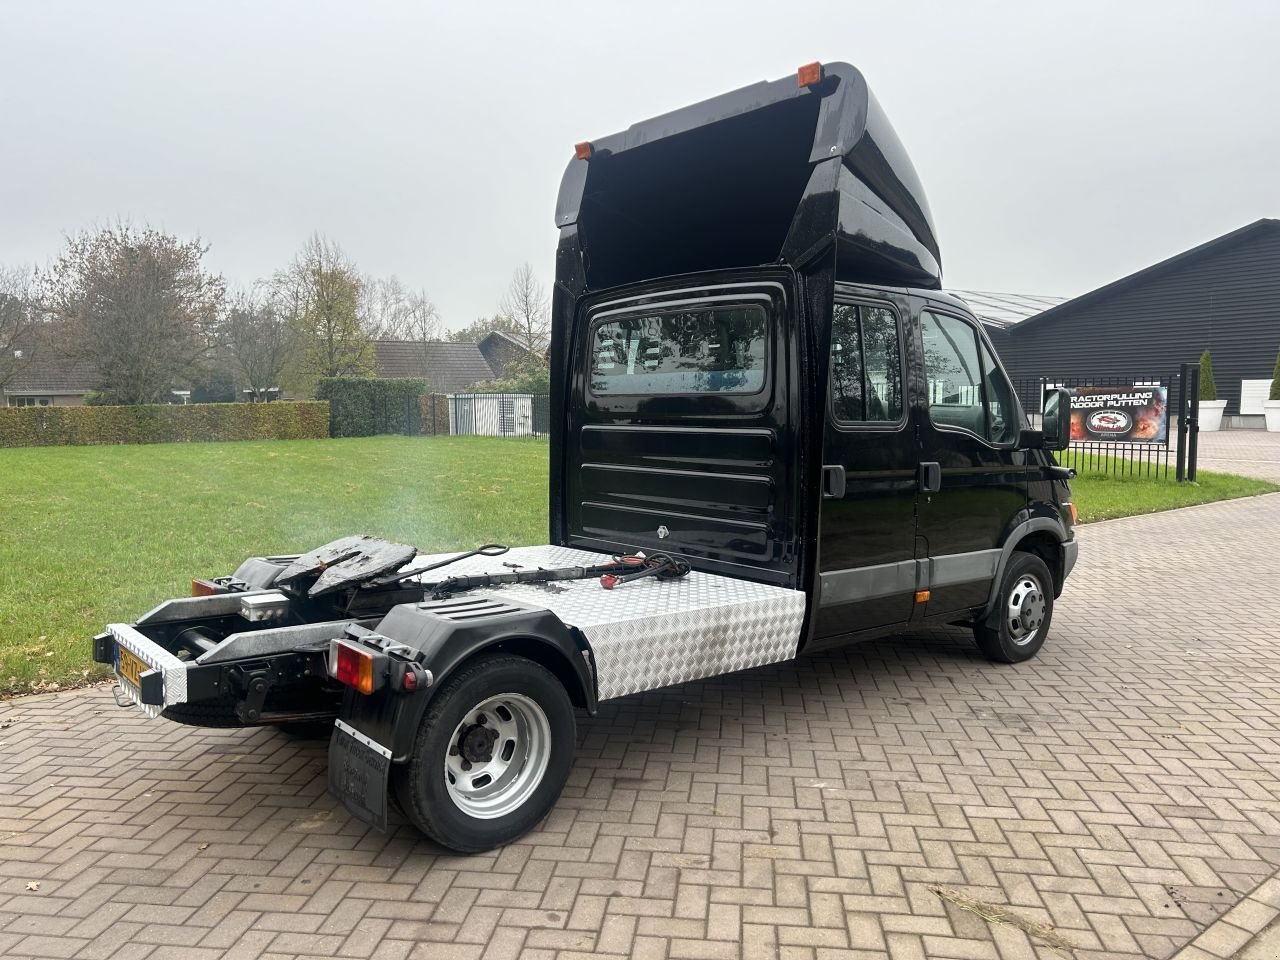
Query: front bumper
[{"x": 1070, "y": 553}]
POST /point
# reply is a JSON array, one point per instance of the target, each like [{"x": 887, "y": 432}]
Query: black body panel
[
  {"x": 754, "y": 176},
  {"x": 867, "y": 547}
]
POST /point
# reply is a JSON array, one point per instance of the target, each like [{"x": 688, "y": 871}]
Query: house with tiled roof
[
  {"x": 42, "y": 379},
  {"x": 447, "y": 367}
]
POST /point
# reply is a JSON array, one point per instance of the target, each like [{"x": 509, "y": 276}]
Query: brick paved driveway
[
  {"x": 1253, "y": 453},
  {"x": 1123, "y": 787}
]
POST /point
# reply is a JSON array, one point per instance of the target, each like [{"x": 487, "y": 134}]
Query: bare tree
[
  {"x": 139, "y": 305},
  {"x": 390, "y": 311},
  {"x": 18, "y": 317},
  {"x": 260, "y": 342},
  {"x": 319, "y": 293},
  {"x": 525, "y": 302}
]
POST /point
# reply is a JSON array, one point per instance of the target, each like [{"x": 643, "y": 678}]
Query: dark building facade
[{"x": 1222, "y": 296}]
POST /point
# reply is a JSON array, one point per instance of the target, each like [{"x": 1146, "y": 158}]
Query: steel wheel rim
[
  {"x": 1024, "y": 613},
  {"x": 519, "y": 737}
]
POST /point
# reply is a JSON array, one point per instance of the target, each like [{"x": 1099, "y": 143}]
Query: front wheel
[
  {"x": 491, "y": 756},
  {"x": 1016, "y": 626}
]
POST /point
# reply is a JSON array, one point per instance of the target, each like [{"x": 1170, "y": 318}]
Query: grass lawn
[
  {"x": 94, "y": 535},
  {"x": 99, "y": 534},
  {"x": 1104, "y": 496}
]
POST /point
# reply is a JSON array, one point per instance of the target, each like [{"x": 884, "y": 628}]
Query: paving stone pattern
[
  {"x": 1122, "y": 787},
  {"x": 1251, "y": 453}
]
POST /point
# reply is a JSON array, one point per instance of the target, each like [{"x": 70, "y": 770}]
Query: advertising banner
[{"x": 1120, "y": 414}]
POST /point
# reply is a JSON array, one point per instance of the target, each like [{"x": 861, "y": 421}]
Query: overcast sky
[{"x": 1061, "y": 146}]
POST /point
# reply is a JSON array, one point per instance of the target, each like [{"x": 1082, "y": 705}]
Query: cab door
[
  {"x": 974, "y": 481},
  {"x": 866, "y": 549}
]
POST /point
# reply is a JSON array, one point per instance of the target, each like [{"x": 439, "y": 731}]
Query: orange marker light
[
  {"x": 1075, "y": 517},
  {"x": 583, "y": 150},
  {"x": 922, "y": 596},
  {"x": 203, "y": 588},
  {"x": 809, "y": 75}
]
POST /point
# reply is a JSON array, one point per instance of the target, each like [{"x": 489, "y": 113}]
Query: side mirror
[
  {"x": 1030, "y": 439},
  {"x": 1056, "y": 421}
]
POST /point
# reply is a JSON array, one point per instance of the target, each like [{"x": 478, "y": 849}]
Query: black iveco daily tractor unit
[{"x": 770, "y": 434}]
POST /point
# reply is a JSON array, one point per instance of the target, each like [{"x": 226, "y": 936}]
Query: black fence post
[
  {"x": 1184, "y": 375},
  {"x": 1193, "y": 440}
]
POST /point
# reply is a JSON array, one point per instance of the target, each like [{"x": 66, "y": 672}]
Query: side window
[
  {"x": 1002, "y": 424},
  {"x": 966, "y": 388},
  {"x": 866, "y": 365}
]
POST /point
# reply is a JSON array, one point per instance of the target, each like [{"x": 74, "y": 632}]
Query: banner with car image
[{"x": 1120, "y": 414}]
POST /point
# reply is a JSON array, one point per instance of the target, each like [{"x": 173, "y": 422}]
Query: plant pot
[
  {"x": 1271, "y": 408},
  {"x": 1211, "y": 415}
]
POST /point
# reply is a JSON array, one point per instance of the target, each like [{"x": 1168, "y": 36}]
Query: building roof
[
  {"x": 1210, "y": 247},
  {"x": 44, "y": 375},
  {"x": 447, "y": 367},
  {"x": 1005, "y": 309},
  {"x": 499, "y": 335}
]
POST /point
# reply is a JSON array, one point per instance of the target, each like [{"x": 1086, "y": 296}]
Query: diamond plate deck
[{"x": 651, "y": 633}]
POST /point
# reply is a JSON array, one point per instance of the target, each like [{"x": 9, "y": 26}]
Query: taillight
[
  {"x": 204, "y": 588},
  {"x": 356, "y": 667}
]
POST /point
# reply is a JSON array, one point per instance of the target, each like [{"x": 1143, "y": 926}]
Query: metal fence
[
  {"x": 1142, "y": 458},
  {"x": 499, "y": 414}
]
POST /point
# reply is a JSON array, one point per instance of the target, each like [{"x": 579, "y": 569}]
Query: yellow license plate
[{"x": 130, "y": 667}]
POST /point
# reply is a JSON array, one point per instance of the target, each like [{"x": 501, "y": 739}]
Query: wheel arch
[
  {"x": 580, "y": 687},
  {"x": 447, "y": 644},
  {"x": 1042, "y": 536}
]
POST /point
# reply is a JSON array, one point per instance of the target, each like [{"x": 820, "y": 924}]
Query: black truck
[{"x": 771, "y": 433}]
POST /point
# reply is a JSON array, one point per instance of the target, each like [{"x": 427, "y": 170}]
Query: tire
[
  {"x": 1016, "y": 626},
  {"x": 501, "y": 717}
]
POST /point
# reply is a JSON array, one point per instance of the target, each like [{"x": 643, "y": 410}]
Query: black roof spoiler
[{"x": 773, "y": 172}]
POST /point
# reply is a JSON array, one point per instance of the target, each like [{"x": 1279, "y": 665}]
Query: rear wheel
[
  {"x": 1016, "y": 626},
  {"x": 491, "y": 756}
]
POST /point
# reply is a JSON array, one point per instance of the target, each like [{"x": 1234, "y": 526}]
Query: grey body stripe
[
  {"x": 866, "y": 583},
  {"x": 890, "y": 579},
  {"x": 953, "y": 568},
  {"x": 906, "y": 576}
]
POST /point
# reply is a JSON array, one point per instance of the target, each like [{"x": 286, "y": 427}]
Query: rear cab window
[
  {"x": 717, "y": 350},
  {"x": 866, "y": 366}
]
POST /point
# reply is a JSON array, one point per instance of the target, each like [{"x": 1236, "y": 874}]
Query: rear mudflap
[{"x": 359, "y": 774}]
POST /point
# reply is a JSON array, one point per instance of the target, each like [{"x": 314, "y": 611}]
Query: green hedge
[
  {"x": 162, "y": 423},
  {"x": 364, "y": 406}
]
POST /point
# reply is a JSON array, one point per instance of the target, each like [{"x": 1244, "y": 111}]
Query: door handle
[
  {"x": 930, "y": 477},
  {"x": 832, "y": 482}
]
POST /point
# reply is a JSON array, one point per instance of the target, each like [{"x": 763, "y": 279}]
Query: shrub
[
  {"x": 433, "y": 411},
  {"x": 364, "y": 406},
  {"x": 1208, "y": 389},
  {"x": 162, "y": 423},
  {"x": 1275, "y": 380}
]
